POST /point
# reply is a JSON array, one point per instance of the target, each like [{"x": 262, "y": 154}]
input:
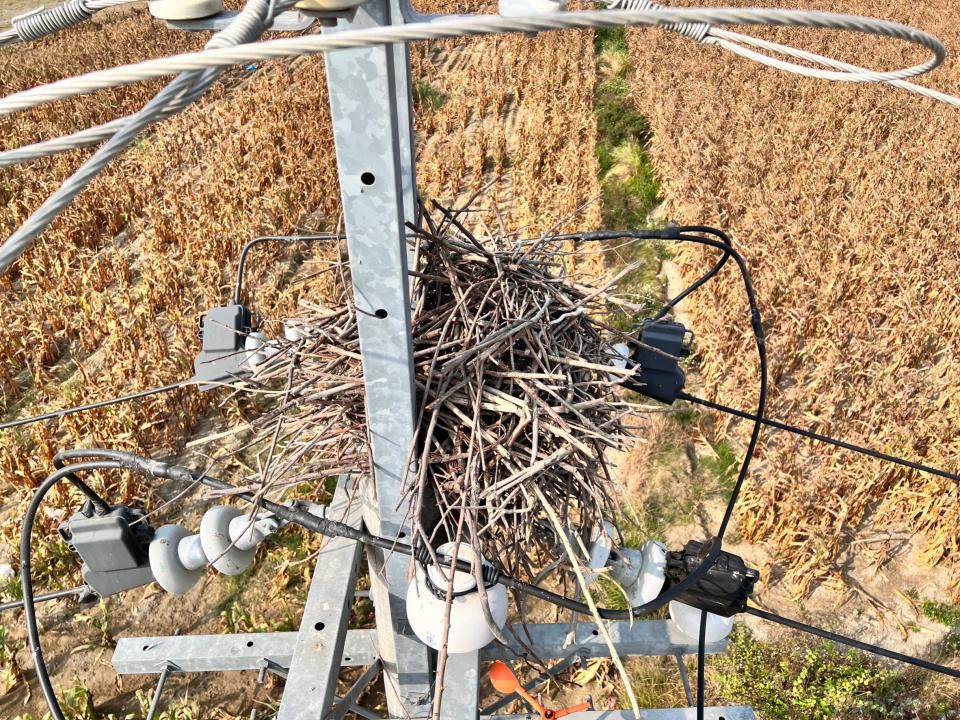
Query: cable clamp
[
  {"x": 695, "y": 31},
  {"x": 46, "y": 21},
  {"x": 655, "y": 357}
]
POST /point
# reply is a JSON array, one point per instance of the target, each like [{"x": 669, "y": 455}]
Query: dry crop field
[
  {"x": 845, "y": 201},
  {"x": 107, "y": 301},
  {"x": 842, "y": 198}
]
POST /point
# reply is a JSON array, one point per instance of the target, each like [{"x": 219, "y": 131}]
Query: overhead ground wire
[
  {"x": 472, "y": 26},
  {"x": 57, "y": 414}
]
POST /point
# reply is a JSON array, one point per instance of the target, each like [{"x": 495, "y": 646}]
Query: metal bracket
[{"x": 290, "y": 21}]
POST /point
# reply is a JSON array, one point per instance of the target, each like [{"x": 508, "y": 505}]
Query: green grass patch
[
  {"x": 238, "y": 618},
  {"x": 54, "y": 565},
  {"x": 630, "y": 186},
  {"x": 11, "y": 589},
  {"x": 665, "y": 502},
  {"x": 722, "y": 468},
  {"x": 610, "y": 39},
  {"x": 818, "y": 680},
  {"x": 426, "y": 95},
  {"x": 631, "y": 189},
  {"x": 942, "y": 613},
  {"x": 685, "y": 415}
]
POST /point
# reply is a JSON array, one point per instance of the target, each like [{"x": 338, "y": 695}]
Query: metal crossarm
[{"x": 227, "y": 653}]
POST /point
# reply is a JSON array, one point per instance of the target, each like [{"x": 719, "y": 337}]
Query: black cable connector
[
  {"x": 725, "y": 587},
  {"x": 656, "y": 357}
]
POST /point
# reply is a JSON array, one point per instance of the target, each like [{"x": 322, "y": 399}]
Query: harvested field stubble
[
  {"x": 844, "y": 200},
  {"x": 517, "y": 107}
]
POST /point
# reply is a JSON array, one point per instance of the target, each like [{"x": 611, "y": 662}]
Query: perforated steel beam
[
  {"x": 641, "y": 638},
  {"x": 370, "y": 102},
  {"x": 311, "y": 682},
  {"x": 212, "y": 653},
  {"x": 227, "y": 653}
]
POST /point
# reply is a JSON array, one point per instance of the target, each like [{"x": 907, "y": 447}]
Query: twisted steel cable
[{"x": 487, "y": 25}]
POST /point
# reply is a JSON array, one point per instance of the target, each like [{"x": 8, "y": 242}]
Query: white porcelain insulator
[
  {"x": 185, "y": 9},
  {"x": 246, "y": 536},
  {"x": 600, "y": 550},
  {"x": 293, "y": 330},
  {"x": 218, "y": 544},
  {"x": 468, "y": 628},
  {"x": 254, "y": 345},
  {"x": 227, "y": 540},
  {"x": 168, "y": 570},
  {"x": 641, "y": 573},
  {"x": 686, "y": 619},
  {"x": 190, "y": 552}
]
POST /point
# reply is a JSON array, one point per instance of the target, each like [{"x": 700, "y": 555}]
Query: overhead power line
[
  {"x": 57, "y": 414},
  {"x": 810, "y": 434}
]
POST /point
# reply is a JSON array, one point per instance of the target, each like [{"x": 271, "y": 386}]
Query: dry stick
[
  {"x": 445, "y": 632},
  {"x": 575, "y": 564},
  {"x": 475, "y": 541}
]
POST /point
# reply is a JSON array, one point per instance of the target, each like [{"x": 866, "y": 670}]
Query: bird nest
[{"x": 518, "y": 403}]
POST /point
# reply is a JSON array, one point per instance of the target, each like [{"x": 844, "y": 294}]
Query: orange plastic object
[{"x": 505, "y": 681}]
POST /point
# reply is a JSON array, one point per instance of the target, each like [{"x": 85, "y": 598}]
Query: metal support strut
[{"x": 370, "y": 101}]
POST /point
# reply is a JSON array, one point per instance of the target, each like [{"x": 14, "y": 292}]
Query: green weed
[
  {"x": 942, "y": 613},
  {"x": 11, "y": 589},
  {"x": 815, "y": 680},
  {"x": 9, "y": 669},
  {"x": 237, "y": 618},
  {"x": 428, "y": 96},
  {"x": 180, "y": 709},
  {"x": 722, "y": 469}
]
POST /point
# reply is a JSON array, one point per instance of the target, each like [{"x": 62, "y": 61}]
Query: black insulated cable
[
  {"x": 57, "y": 414},
  {"x": 332, "y": 528},
  {"x": 242, "y": 262},
  {"x": 725, "y": 245},
  {"x": 706, "y": 277},
  {"x": 859, "y": 644},
  {"x": 26, "y": 582},
  {"x": 683, "y": 234},
  {"x": 819, "y": 437}
]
